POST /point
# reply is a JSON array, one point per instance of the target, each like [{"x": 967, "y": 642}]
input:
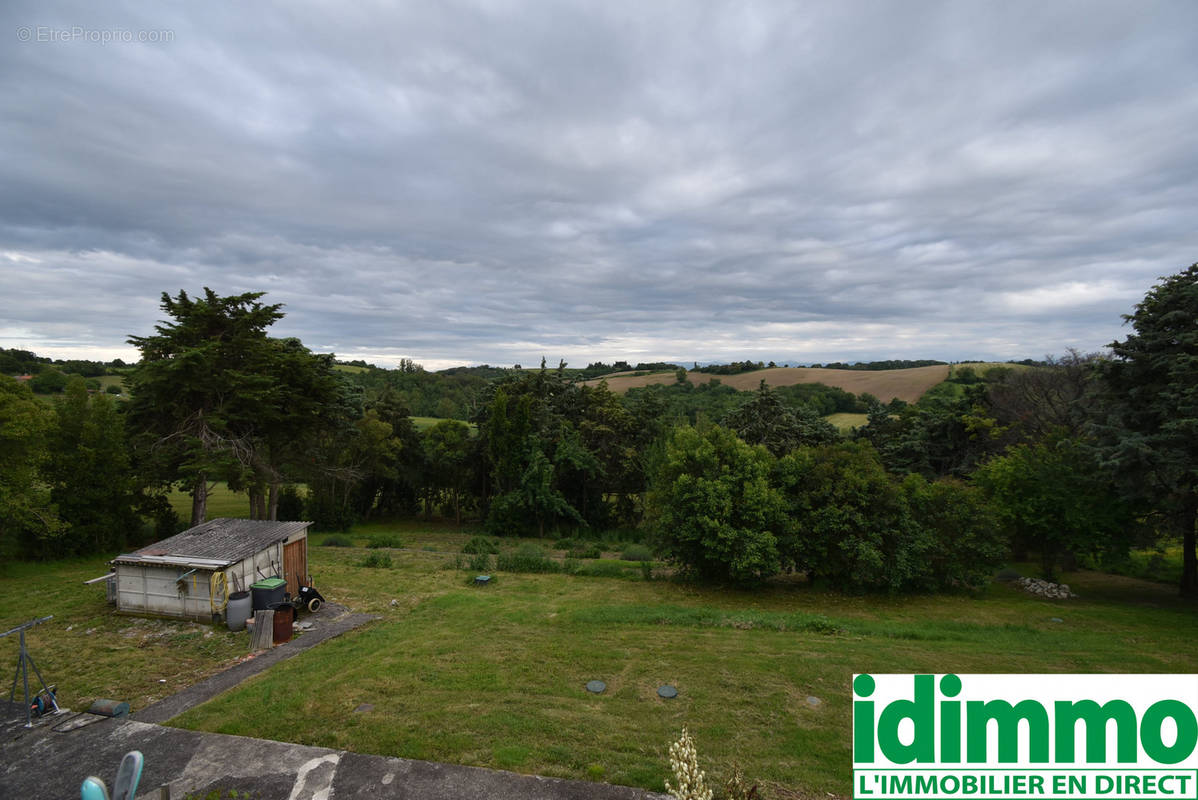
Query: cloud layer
[{"x": 496, "y": 181}]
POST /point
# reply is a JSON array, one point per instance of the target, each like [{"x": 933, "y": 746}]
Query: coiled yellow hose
[{"x": 219, "y": 582}]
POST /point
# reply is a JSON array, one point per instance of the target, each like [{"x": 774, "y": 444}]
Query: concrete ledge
[{"x": 39, "y": 763}]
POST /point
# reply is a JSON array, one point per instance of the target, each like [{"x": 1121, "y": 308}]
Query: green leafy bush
[
  {"x": 637, "y": 552},
  {"x": 336, "y": 541},
  {"x": 848, "y": 520},
  {"x": 711, "y": 507},
  {"x": 481, "y": 544},
  {"x": 586, "y": 550},
  {"x": 380, "y": 540},
  {"x": 376, "y": 560},
  {"x": 479, "y": 562}
]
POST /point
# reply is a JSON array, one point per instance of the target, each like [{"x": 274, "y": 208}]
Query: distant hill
[{"x": 905, "y": 384}]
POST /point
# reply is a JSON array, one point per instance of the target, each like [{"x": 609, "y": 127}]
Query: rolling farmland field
[{"x": 905, "y": 384}]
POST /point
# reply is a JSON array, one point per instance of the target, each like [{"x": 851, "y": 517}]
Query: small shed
[{"x": 191, "y": 574}]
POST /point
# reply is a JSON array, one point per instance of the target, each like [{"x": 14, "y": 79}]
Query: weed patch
[
  {"x": 637, "y": 552},
  {"x": 481, "y": 545},
  {"x": 527, "y": 557},
  {"x": 377, "y": 560}
]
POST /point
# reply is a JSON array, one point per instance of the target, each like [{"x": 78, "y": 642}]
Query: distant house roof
[
  {"x": 215, "y": 543},
  {"x": 23, "y": 377}
]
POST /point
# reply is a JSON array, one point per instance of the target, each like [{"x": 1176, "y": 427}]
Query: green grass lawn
[
  {"x": 223, "y": 502},
  {"x": 424, "y": 423},
  {"x": 494, "y": 676},
  {"x": 111, "y": 380},
  {"x": 91, "y": 652},
  {"x": 845, "y": 422}
]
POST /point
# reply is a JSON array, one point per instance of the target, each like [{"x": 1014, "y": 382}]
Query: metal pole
[
  {"x": 12, "y": 693},
  {"x": 25, "y": 675},
  {"x": 23, "y": 662}
]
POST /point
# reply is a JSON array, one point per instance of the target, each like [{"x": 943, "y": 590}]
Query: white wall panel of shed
[
  {"x": 155, "y": 590},
  {"x": 268, "y": 563}
]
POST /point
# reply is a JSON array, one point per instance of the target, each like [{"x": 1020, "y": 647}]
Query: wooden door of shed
[{"x": 295, "y": 565}]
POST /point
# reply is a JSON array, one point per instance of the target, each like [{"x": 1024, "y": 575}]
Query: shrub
[
  {"x": 711, "y": 507},
  {"x": 647, "y": 570},
  {"x": 113, "y": 388},
  {"x": 527, "y": 557},
  {"x": 637, "y": 552},
  {"x": 377, "y": 560},
  {"x": 564, "y": 544},
  {"x": 336, "y": 541},
  {"x": 585, "y": 550},
  {"x": 379, "y": 540},
  {"x": 48, "y": 382},
  {"x": 481, "y": 544},
  {"x": 848, "y": 521},
  {"x": 479, "y": 562},
  {"x": 962, "y": 540}
]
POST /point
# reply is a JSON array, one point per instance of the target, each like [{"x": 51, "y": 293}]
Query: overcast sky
[{"x": 493, "y": 182}]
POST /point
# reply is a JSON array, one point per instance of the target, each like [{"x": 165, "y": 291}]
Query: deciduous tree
[{"x": 711, "y": 507}]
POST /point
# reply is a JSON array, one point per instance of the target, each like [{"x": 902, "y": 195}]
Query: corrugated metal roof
[{"x": 226, "y": 540}]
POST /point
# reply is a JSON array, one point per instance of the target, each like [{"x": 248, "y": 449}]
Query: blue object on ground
[
  {"x": 128, "y": 775},
  {"x": 596, "y": 687},
  {"x": 667, "y": 691},
  {"x": 93, "y": 789}
]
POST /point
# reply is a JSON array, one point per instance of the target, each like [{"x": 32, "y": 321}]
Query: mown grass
[
  {"x": 223, "y": 502},
  {"x": 92, "y": 652},
  {"x": 845, "y": 422},
  {"x": 493, "y": 676},
  {"x": 424, "y": 423}
]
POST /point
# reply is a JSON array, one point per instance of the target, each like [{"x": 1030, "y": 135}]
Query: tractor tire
[{"x": 314, "y": 604}]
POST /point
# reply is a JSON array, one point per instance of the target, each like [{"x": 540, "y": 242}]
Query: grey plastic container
[{"x": 238, "y": 610}]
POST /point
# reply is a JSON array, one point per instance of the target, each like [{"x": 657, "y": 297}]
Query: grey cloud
[{"x": 496, "y": 181}]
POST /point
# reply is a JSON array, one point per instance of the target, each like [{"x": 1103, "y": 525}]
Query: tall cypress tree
[{"x": 1149, "y": 426}]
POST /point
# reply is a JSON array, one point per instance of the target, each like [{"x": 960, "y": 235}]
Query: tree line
[{"x": 1084, "y": 456}]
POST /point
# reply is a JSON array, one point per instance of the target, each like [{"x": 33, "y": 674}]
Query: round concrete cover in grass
[
  {"x": 667, "y": 691},
  {"x": 596, "y": 687}
]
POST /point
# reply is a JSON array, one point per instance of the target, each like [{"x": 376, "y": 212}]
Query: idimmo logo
[{"x": 1113, "y": 737}]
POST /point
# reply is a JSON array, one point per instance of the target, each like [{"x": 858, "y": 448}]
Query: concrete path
[{"x": 40, "y": 763}]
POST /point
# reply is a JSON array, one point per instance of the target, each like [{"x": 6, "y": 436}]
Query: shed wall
[
  {"x": 155, "y": 590},
  {"x": 268, "y": 562}
]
